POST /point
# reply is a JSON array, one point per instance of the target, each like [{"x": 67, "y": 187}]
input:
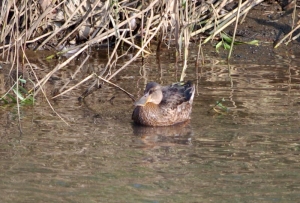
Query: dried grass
[{"x": 48, "y": 24}]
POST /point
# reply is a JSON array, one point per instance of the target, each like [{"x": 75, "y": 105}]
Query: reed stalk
[{"x": 235, "y": 28}]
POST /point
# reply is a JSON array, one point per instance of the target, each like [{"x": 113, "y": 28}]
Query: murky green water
[{"x": 250, "y": 154}]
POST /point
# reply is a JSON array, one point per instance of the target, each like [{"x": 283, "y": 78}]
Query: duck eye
[{"x": 151, "y": 91}]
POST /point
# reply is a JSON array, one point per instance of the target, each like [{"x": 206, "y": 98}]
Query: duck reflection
[{"x": 150, "y": 137}]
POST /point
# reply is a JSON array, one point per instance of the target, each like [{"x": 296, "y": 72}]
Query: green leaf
[
  {"x": 226, "y": 38},
  {"x": 253, "y": 42},
  {"x": 4, "y": 100},
  {"x": 51, "y": 57},
  {"x": 218, "y": 46},
  {"x": 238, "y": 42},
  {"x": 227, "y": 41},
  {"x": 22, "y": 80},
  {"x": 219, "y": 104},
  {"x": 226, "y": 46},
  {"x": 23, "y": 90},
  {"x": 13, "y": 99},
  {"x": 28, "y": 100},
  {"x": 18, "y": 93}
]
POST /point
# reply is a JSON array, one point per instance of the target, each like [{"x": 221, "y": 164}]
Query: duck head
[{"x": 152, "y": 94}]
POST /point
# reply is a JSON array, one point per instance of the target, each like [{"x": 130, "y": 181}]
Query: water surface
[{"x": 249, "y": 154}]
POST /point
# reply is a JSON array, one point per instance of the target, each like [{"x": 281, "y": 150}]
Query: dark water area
[{"x": 249, "y": 154}]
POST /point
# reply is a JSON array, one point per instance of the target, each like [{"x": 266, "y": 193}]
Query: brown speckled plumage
[{"x": 163, "y": 106}]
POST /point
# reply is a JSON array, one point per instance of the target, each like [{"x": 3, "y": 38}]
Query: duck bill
[{"x": 143, "y": 101}]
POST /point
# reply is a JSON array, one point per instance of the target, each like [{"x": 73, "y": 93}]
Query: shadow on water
[{"x": 250, "y": 154}]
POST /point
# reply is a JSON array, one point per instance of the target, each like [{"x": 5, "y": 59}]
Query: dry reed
[{"x": 48, "y": 24}]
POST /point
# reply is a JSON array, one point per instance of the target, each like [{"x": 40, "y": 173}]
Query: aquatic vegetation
[
  {"x": 219, "y": 107},
  {"x": 17, "y": 92},
  {"x": 226, "y": 41}
]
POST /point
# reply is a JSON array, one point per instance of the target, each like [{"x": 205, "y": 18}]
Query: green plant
[
  {"x": 219, "y": 107},
  {"x": 19, "y": 93},
  {"x": 227, "y": 40}
]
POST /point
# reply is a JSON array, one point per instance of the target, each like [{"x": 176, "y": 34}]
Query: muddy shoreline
[{"x": 268, "y": 22}]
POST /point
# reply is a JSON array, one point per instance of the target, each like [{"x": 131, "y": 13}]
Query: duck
[{"x": 164, "y": 105}]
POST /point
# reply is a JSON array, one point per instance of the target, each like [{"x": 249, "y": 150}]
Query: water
[{"x": 249, "y": 154}]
